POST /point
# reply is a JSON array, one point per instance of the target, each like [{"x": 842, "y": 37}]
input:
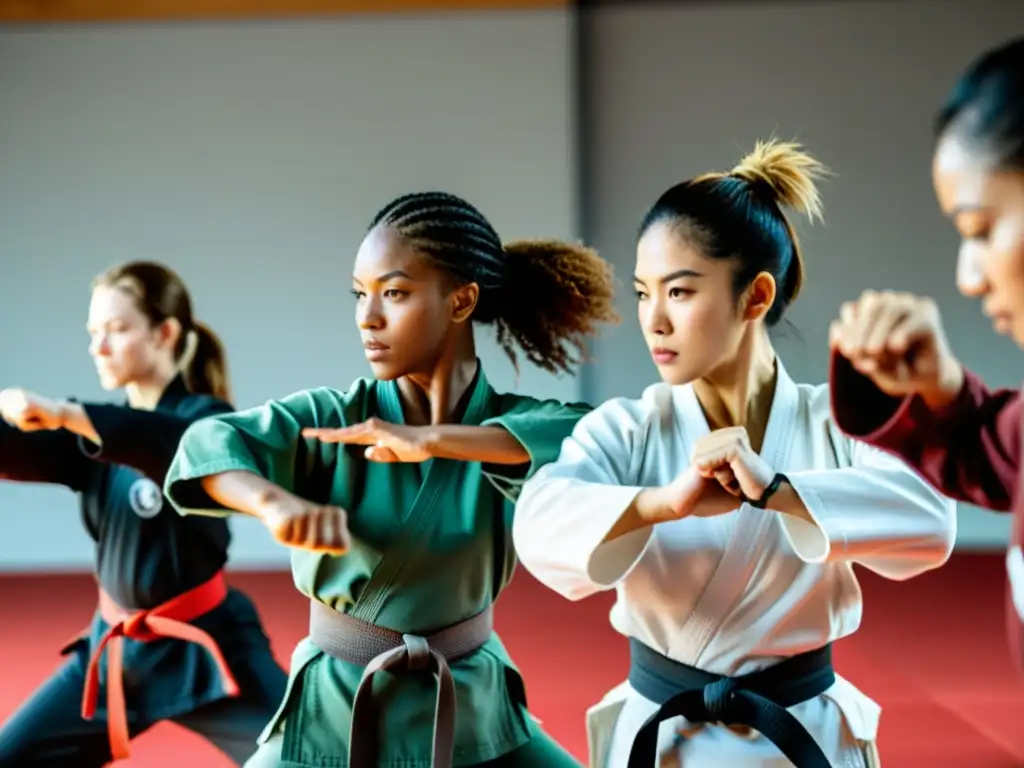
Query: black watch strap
[{"x": 769, "y": 491}]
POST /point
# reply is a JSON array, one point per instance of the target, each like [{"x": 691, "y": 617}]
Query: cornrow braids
[
  {"x": 456, "y": 236},
  {"x": 545, "y": 297}
]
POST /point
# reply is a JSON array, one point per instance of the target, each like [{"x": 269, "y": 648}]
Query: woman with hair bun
[{"x": 723, "y": 506}]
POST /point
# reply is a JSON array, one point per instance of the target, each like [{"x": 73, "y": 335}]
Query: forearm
[
  {"x": 244, "y": 492},
  {"x": 74, "y": 419},
  {"x": 665, "y": 503},
  {"x": 644, "y": 511},
  {"x": 561, "y": 533},
  {"x": 141, "y": 439},
  {"x": 788, "y": 501},
  {"x": 948, "y": 387},
  {"x": 967, "y": 446},
  {"x": 45, "y": 456},
  {"x": 487, "y": 445},
  {"x": 876, "y": 512}
]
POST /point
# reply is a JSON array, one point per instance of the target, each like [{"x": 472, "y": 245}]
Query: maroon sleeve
[{"x": 970, "y": 450}]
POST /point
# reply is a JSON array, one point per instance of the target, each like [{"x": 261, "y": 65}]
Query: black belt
[{"x": 758, "y": 700}]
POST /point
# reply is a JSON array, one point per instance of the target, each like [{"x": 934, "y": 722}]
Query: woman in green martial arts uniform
[{"x": 397, "y": 494}]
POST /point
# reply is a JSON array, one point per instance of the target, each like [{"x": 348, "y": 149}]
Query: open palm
[{"x": 384, "y": 441}]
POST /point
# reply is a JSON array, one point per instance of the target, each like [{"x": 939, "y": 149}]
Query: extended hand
[
  {"x": 299, "y": 523},
  {"x": 725, "y": 455},
  {"x": 30, "y": 412},
  {"x": 385, "y": 441}
]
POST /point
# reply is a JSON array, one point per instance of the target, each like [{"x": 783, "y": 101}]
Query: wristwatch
[{"x": 769, "y": 491}]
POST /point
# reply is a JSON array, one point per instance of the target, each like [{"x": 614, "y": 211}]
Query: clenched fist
[
  {"x": 689, "y": 495},
  {"x": 30, "y": 412},
  {"x": 897, "y": 340},
  {"x": 726, "y": 455},
  {"x": 306, "y": 525}
]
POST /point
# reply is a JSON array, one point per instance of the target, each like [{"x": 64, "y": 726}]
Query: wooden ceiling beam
[{"x": 79, "y": 11}]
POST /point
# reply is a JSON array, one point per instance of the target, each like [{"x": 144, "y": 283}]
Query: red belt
[{"x": 171, "y": 621}]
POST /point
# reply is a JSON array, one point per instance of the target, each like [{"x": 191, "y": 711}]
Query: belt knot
[{"x": 418, "y": 650}]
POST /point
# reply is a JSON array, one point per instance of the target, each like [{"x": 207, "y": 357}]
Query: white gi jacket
[{"x": 734, "y": 593}]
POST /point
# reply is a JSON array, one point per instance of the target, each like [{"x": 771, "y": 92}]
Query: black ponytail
[{"x": 987, "y": 105}]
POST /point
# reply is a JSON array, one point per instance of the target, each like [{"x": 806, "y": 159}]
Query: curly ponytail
[
  {"x": 545, "y": 297},
  {"x": 559, "y": 293}
]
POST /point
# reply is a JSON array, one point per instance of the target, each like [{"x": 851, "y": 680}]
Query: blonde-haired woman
[
  {"x": 723, "y": 506},
  {"x": 170, "y": 639}
]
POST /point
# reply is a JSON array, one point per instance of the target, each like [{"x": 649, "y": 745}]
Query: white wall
[
  {"x": 251, "y": 157},
  {"x": 679, "y": 89}
]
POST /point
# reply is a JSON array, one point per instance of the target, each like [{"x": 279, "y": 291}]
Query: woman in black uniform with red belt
[{"x": 169, "y": 641}]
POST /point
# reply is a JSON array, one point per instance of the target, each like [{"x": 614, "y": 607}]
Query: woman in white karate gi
[{"x": 722, "y": 566}]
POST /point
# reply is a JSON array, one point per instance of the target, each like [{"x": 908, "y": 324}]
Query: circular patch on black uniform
[{"x": 146, "y": 498}]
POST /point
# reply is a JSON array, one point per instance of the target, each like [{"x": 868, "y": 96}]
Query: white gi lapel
[
  {"x": 1014, "y": 554},
  {"x": 1015, "y": 571},
  {"x": 745, "y": 547}
]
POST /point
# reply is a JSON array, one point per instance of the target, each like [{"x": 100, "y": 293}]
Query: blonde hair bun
[{"x": 788, "y": 171}]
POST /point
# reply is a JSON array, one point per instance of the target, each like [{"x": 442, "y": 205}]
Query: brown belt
[{"x": 378, "y": 649}]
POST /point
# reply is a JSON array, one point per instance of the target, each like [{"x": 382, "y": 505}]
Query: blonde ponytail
[{"x": 786, "y": 170}]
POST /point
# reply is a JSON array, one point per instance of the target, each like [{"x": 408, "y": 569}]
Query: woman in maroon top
[{"x": 895, "y": 382}]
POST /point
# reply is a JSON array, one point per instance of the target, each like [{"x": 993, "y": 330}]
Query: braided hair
[{"x": 543, "y": 296}]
